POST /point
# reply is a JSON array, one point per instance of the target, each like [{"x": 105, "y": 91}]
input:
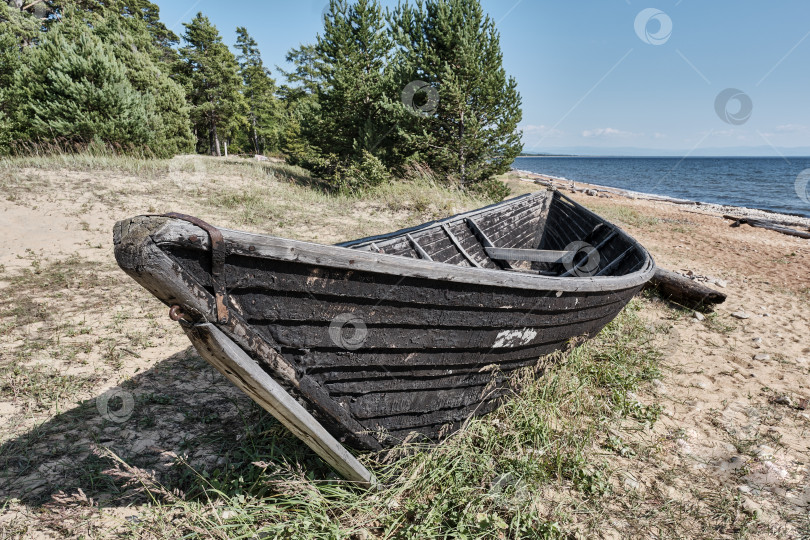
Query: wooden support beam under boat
[
  {"x": 230, "y": 360},
  {"x": 684, "y": 291}
]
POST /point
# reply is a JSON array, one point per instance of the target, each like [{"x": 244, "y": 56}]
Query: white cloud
[
  {"x": 791, "y": 128},
  {"x": 542, "y": 130},
  {"x": 660, "y": 135},
  {"x": 607, "y": 133}
]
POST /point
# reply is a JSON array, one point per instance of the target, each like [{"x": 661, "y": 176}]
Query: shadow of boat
[{"x": 180, "y": 419}]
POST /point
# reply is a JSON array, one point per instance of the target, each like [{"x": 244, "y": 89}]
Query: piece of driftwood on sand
[{"x": 766, "y": 224}]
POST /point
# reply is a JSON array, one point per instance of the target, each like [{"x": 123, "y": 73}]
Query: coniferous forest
[{"x": 373, "y": 93}]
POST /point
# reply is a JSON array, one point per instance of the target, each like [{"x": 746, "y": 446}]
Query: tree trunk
[
  {"x": 462, "y": 167},
  {"x": 226, "y": 147},
  {"x": 216, "y": 150},
  {"x": 255, "y": 135}
]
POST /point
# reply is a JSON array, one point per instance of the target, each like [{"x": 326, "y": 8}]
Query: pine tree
[
  {"x": 308, "y": 73},
  {"x": 133, "y": 45},
  {"x": 163, "y": 39},
  {"x": 10, "y": 63},
  {"x": 298, "y": 99},
  {"x": 211, "y": 77},
  {"x": 454, "y": 47},
  {"x": 72, "y": 88},
  {"x": 146, "y": 12},
  {"x": 355, "y": 48},
  {"x": 128, "y": 29},
  {"x": 259, "y": 91},
  {"x": 23, "y": 24}
]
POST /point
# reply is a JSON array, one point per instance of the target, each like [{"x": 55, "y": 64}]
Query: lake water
[{"x": 764, "y": 183}]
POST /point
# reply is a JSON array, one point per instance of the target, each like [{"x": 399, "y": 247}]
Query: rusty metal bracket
[{"x": 218, "y": 254}]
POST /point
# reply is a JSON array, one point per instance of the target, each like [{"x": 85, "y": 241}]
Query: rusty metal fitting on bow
[{"x": 176, "y": 313}]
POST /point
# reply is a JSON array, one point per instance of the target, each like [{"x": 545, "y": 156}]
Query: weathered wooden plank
[
  {"x": 535, "y": 255},
  {"x": 276, "y": 277},
  {"x": 519, "y": 234},
  {"x": 493, "y": 219},
  {"x": 428, "y": 423},
  {"x": 447, "y": 252},
  {"x": 416, "y": 363},
  {"x": 520, "y": 240},
  {"x": 415, "y": 245},
  {"x": 272, "y": 248},
  {"x": 475, "y": 249},
  {"x": 262, "y": 308},
  {"x": 393, "y": 404},
  {"x": 545, "y": 206},
  {"x": 393, "y": 383},
  {"x": 245, "y": 373},
  {"x": 460, "y": 248},
  {"x": 432, "y": 237},
  {"x": 308, "y": 336},
  {"x": 350, "y": 379}
]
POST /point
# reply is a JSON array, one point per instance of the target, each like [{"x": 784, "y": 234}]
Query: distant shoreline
[
  {"x": 670, "y": 156},
  {"x": 714, "y": 208}
]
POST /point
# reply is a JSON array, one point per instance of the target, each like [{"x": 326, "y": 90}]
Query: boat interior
[{"x": 543, "y": 233}]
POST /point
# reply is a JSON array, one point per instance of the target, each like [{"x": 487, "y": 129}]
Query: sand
[{"x": 734, "y": 390}]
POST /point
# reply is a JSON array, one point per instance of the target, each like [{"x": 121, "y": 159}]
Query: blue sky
[{"x": 594, "y": 79}]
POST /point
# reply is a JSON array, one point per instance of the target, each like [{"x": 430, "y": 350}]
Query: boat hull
[{"x": 381, "y": 348}]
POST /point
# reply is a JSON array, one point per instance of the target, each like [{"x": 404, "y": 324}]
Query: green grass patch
[
  {"x": 624, "y": 216},
  {"x": 38, "y": 385}
]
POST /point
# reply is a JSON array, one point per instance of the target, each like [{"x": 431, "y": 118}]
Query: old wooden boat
[{"x": 397, "y": 336}]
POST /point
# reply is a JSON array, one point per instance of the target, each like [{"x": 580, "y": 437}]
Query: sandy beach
[
  {"x": 742, "y": 375},
  {"x": 734, "y": 390}
]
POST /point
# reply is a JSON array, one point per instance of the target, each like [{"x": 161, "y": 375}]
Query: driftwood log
[
  {"x": 767, "y": 224},
  {"x": 684, "y": 291}
]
